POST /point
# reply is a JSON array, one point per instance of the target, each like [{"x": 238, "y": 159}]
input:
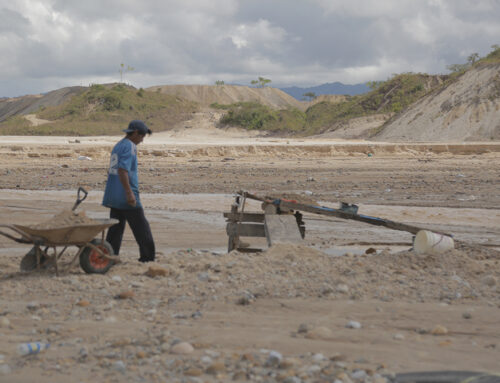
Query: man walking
[{"x": 122, "y": 193}]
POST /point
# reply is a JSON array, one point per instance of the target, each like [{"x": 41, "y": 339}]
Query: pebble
[
  {"x": 303, "y": 328},
  {"x": 5, "y": 369},
  {"x": 399, "y": 336},
  {"x": 128, "y": 294},
  {"x": 439, "y": 330},
  {"x": 157, "y": 271},
  {"x": 206, "y": 359},
  {"x": 182, "y": 348},
  {"x": 467, "y": 315},
  {"x": 319, "y": 333},
  {"x": 119, "y": 366},
  {"x": 274, "y": 359},
  {"x": 318, "y": 357},
  {"x": 215, "y": 368},
  {"x": 359, "y": 375},
  {"x": 83, "y": 303},
  {"x": 489, "y": 280},
  {"x": 33, "y": 306},
  {"x": 342, "y": 288},
  {"x": 353, "y": 324},
  {"x": 4, "y": 322},
  {"x": 203, "y": 277},
  {"x": 116, "y": 278}
]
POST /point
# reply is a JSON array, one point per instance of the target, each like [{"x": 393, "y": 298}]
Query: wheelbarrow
[{"x": 95, "y": 254}]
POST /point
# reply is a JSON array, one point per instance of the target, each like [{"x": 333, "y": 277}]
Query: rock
[
  {"x": 193, "y": 371},
  {"x": 303, "y": 328},
  {"x": 5, "y": 369},
  {"x": 274, "y": 359},
  {"x": 128, "y": 294},
  {"x": 439, "y": 330},
  {"x": 83, "y": 303},
  {"x": 119, "y": 366},
  {"x": 359, "y": 375},
  {"x": 32, "y": 306},
  {"x": 292, "y": 379},
  {"x": 353, "y": 324},
  {"x": 319, "y": 333},
  {"x": 489, "y": 280},
  {"x": 243, "y": 301},
  {"x": 216, "y": 368},
  {"x": 203, "y": 277},
  {"x": 206, "y": 360},
  {"x": 466, "y": 315},
  {"x": 4, "y": 322},
  {"x": 182, "y": 348},
  {"x": 342, "y": 288},
  {"x": 289, "y": 363},
  {"x": 116, "y": 278},
  {"x": 318, "y": 357},
  {"x": 157, "y": 271},
  {"x": 197, "y": 314},
  {"x": 140, "y": 354}
]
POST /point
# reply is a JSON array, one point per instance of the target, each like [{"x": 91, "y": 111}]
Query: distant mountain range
[{"x": 328, "y": 88}]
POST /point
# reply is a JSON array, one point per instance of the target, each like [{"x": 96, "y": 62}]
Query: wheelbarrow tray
[{"x": 68, "y": 235}]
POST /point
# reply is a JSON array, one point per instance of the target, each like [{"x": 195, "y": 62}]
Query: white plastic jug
[{"x": 427, "y": 242}]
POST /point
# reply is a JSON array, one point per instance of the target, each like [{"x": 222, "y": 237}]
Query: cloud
[{"x": 47, "y": 44}]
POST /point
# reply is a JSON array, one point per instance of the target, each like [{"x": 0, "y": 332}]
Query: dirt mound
[
  {"x": 65, "y": 218},
  {"x": 230, "y": 94},
  {"x": 300, "y": 271},
  {"x": 466, "y": 110},
  {"x": 31, "y": 103}
]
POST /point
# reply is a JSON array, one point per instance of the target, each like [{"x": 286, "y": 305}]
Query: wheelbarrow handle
[{"x": 79, "y": 198}]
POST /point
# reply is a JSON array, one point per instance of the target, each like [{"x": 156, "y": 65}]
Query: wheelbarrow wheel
[{"x": 94, "y": 263}]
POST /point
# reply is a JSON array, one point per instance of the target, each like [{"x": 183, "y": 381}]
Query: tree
[
  {"x": 124, "y": 69},
  {"x": 473, "y": 58},
  {"x": 310, "y": 95},
  {"x": 456, "y": 68},
  {"x": 374, "y": 84},
  {"x": 219, "y": 82},
  {"x": 262, "y": 82}
]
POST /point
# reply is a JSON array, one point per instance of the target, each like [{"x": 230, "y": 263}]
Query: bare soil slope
[
  {"x": 31, "y": 103},
  {"x": 229, "y": 94},
  {"x": 466, "y": 110}
]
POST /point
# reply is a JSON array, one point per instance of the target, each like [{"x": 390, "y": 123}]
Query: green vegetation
[
  {"x": 390, "y": 96},
  {"x": 124, "y": 69},
  {"x": 261, "y": 82},
  {"x": 255, "y": 116},
  {"x": 106, "y": 110},
  {"x": 310, "y": 95}
]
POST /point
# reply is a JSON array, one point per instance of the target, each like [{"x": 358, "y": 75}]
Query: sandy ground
[{"x": 280, "y": 315}]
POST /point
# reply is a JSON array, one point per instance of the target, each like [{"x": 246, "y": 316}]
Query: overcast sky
[{"x": 49, "y": 44}]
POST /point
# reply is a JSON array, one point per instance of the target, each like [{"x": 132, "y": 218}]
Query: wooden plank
[
  {"x": 281, "y": 229},
  {"x": 357, "y": 217},
  {"x": 245, "y": 217},
  {"x": 245, "y": 229}
]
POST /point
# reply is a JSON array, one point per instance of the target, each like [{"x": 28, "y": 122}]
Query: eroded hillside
[{"x": 466, "y": 110}]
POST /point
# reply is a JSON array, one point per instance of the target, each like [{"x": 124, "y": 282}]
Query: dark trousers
[{"x": 140, "y": 228}]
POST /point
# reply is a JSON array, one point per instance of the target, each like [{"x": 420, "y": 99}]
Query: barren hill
[
  {"x": 466, "y": 110},
  {"x": 30, "y": 104},
  {"x": 230, "y": 94}
]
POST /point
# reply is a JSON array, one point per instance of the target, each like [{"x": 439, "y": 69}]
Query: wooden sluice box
[{"x": 275, "y": 224}]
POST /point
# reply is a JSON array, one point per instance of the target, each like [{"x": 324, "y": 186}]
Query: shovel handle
[{"x": 79, "y": 198}]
